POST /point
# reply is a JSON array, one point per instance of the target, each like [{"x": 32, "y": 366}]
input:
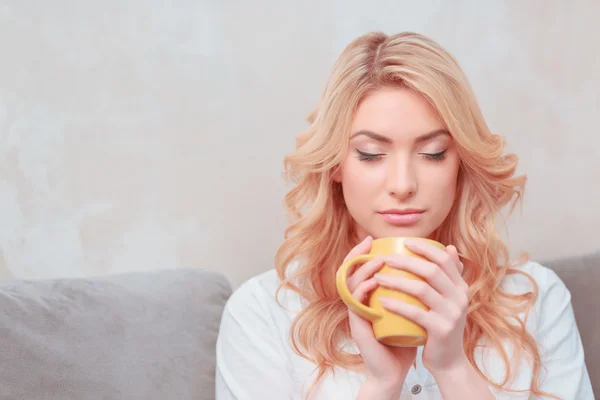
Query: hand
[
  {"x": 444, "y": 292},
  {"x": 386, "y": 366}
]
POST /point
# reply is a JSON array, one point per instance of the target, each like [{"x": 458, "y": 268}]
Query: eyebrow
[{"x": 385, "y": 139}]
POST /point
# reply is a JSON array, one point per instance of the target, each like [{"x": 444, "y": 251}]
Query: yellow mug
[{"x": 389, "y": 328}]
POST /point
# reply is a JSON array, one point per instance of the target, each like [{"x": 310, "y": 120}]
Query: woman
[{"x": 398, "y": 147}]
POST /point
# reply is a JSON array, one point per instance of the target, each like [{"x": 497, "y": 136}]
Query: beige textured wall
[{"x": 139, "y": 135}]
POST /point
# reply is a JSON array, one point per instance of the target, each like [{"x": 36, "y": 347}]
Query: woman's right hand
[{"x": 387, "y": 366}]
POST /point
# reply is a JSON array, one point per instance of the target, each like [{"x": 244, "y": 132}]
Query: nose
[{"x": 401, "y": 178}]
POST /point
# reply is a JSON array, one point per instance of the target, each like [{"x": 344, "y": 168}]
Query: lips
[{"x": 404, "y": 217}]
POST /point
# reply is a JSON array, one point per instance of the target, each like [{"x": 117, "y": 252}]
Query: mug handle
[{"x": 342, "y": 287}]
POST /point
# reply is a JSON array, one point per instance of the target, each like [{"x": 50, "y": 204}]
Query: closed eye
[
  {"x": 435, "y": 156},
  {"x": 362, "y": 156}
]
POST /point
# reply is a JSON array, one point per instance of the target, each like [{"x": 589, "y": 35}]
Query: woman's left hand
[{"x": 445, "y": 293}]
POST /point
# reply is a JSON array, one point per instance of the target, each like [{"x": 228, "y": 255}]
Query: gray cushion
[
  {"x": 144, "y": 336},
  {"x": 582, "y": 276}
]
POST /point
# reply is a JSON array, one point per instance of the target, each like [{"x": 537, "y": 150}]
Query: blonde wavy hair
[{"x": 322, "y": 231}]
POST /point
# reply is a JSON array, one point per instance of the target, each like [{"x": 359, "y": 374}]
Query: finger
[
  {"x": 419, "y": 289},
  {"x": 437, "y": 256},
  {"x": 361, "y": 294},
  {"x": 364, "y": 272},
  {"x": 363, "y": 288},
  {"x": 361, "y": 248},
  {"x": 429, "y": 271},
  {"x": 408, "y": 311},
  {"x": 453, "y": 252}
]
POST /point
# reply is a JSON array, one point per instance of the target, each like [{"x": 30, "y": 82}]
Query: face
[{"x": 400, "y": 174}]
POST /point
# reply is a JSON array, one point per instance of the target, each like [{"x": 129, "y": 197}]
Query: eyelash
[{"x": 368, "y": 157}]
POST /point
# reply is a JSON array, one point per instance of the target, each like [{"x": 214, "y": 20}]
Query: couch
[{"x": 151, "y": 335}]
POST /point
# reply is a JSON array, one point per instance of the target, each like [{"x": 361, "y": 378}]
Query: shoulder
[
  {"x": 261, "y": 294},
  {"x": 553, "y": 303},
  {"x": 546, "y": 280},
  {"x": 254, "y": 292},
  {"x": 551, "y": 322}
]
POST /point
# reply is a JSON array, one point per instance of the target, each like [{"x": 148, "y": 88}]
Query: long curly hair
[{"x": 321, "y": 231}]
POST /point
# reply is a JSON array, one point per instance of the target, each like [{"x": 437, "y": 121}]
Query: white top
[{"x": 256, "y": 361}]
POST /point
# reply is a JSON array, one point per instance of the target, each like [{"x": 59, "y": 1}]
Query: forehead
[{"x": 398, "y": 113}]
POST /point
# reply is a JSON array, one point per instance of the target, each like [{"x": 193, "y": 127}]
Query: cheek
[
  {"x": 359, "y": 181},
  {"x": 354, "y": 181},
  {"x": 442, "y": 185}
]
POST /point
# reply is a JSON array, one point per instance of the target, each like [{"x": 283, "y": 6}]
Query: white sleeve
[
  {"x": 250, "y": 363},
  {"x": 563, "y": 372}
]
